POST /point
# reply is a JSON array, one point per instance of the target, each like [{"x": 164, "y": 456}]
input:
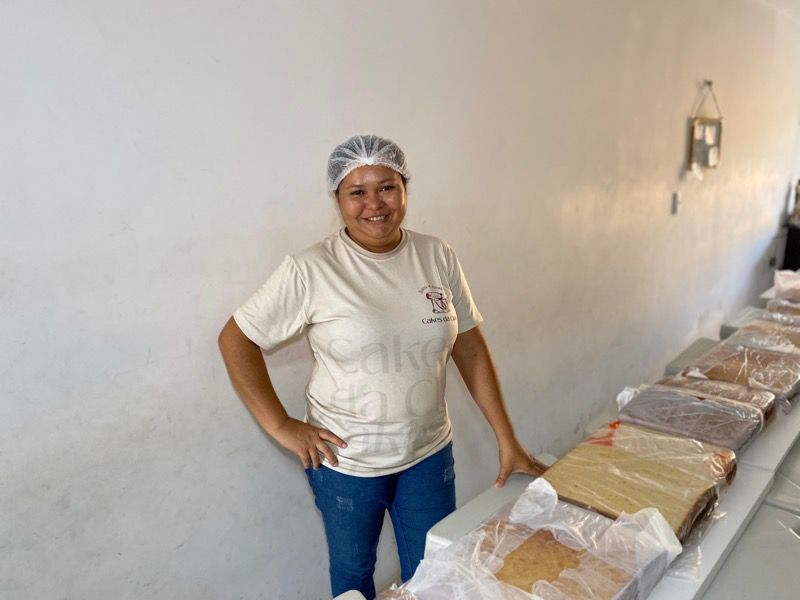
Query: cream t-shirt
[{"x": 381, "y": 327}]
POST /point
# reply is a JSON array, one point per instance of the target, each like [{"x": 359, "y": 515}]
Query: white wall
[{"x": 157, "y": 160}]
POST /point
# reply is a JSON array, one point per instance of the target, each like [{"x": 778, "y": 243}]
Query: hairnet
[{"x": 362, "y": 150}]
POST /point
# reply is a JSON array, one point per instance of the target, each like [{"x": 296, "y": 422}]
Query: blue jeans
[{"x": 353, "y": 509}]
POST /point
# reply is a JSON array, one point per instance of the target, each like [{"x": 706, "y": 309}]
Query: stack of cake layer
[
  {"x": 550, "y": 549},
  {"x": 777, "y": 372},
  {"x": 778, "y": 317},
  {"x": 729, "y": 424},
  {"x": 623, "y": 468},
  {"x": 784, "y": 307},
  {"x": 788, "y": 335},
  {"x": 762, "y": 400},
  {"x": 779, "y": 338}
]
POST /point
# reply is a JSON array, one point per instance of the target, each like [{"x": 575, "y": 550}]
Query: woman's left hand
[{"x": 514, "y": 458}]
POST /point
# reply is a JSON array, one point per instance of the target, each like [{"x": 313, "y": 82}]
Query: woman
[{"x": 384, "y": 309}]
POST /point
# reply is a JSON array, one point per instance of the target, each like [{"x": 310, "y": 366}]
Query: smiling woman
[
  {"x": 384, "y": 309},
  {"x": 372, "y": 201}
]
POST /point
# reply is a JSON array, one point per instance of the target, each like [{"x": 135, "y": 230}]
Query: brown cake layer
[
  {"x": 555, "y": 553},
  {"x": 777, "y": 372},
  {"x": 728, "y": 424},
  {"x": 785, "y": 333},
  {"x": 538, "y": 557},
  {"x": 707, "y": 388},
  {"x": 543, "y": 558},
  {"x": 784, "y": 307}
]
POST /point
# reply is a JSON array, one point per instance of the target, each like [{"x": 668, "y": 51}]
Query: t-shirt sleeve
[
  {"x": 468, "y": 314},
  {"x": 277, "y": 311}
]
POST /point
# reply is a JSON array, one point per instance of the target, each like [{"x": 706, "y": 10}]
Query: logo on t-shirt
[{"x": 439, "y": 302}]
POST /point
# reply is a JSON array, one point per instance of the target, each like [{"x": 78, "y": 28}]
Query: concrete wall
[{"x": 158, "y": 159}]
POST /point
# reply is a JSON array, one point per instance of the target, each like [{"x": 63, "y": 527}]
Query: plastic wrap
[
  {"x": 760, "y": 337},
  {"x": 785, "y": 494},
  {"x": 544, "y": 549},
  {"x": 777, "y": 317},
  {"x": 751, "y": 314},
  {"x": 624, "y": 468},
  {"x": 728, "y": 424},
  {"x": 763, "y": 400},
  {"x": 777, "y": 372},
  {"x": 784, "y": 334},
  {"x": 784, "y": 307},
  {"x": 787, "y": 285}
]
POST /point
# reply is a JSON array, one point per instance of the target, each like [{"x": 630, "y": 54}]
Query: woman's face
[{"x": 372, "y": 200}]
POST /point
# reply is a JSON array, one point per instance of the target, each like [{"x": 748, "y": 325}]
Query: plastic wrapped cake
[
  {"x": 783, "y": 306},
  {"x": 767, "y": 335},
  {"x": 787, "y": 285},
  {"x": 763, "y": 400},
  {"x": 729, "y": 424},
  {"x": 624, "y": 468},
  {"x": 753, "y": 314},
  {"x": 777, "y": 372},
  {"x": 546, "y": 549},
  {"x": 778, "y": 317},
  {"x": 790, "y": 332}
]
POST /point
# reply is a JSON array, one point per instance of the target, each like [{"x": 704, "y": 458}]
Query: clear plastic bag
[
  {"x": 777, "y": 317},
  {"x": 763, "y": 400},
  {"x": 540, "y": 548},
  {"x": 787, "y": 285},
  {"x": 784, "y": 307},
  {"x": 783, "y": 334},
  {"x": 728, "y": 424},
  {"x": 777, "y": 372},
  {"x": 761, "y": 340},
  {"x": 624, "y": 468}
]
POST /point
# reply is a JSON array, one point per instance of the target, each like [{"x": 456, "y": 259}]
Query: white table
[
  {"x": 474, "y": 512},
  {"x": 771, "y": 446},
  {"x": 740, "y": 318},
  {"x": 785, "y": 492},
  {"x": 686, "y": 358},
  {"x": 482, "y": 506},
  {"x": 740, "y": 503},
  {"x": 764, "y": 563},
  {"x": 785, "y": 495},
  {"x": 791, "y": 462},
  {"x": 757, "y": 468},
  {"x": 766, "y": 297}
]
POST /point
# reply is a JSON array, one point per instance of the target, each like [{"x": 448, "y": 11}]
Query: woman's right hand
[{"x": 307, "y": 442}]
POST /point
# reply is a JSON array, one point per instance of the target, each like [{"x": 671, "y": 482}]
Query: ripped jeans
[{"x": 353, "y": 509}]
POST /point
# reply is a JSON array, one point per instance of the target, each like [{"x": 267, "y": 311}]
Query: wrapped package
[
  {"x": 777, "y": 372},
  {"x": 763, "y": 400},
  {"x": 750, "y": 314},
  {"x": 767, "y": 335},
  {"x": 777, "y": 317},
  {"x": 544, "y": 549},
  {"x": 729, "y": 424},
  {"x": 783, "y": 335},
  {"x": 787, "y": 285},
  {"x": 624, "y": 468},
  {"x": 784, "y": 307}
]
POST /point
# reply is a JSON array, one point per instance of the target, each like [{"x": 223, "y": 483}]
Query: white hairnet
[{"x": 362, "y": 150}]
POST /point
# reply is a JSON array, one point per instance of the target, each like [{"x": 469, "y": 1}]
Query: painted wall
[{"x": 158, "y": 159}]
